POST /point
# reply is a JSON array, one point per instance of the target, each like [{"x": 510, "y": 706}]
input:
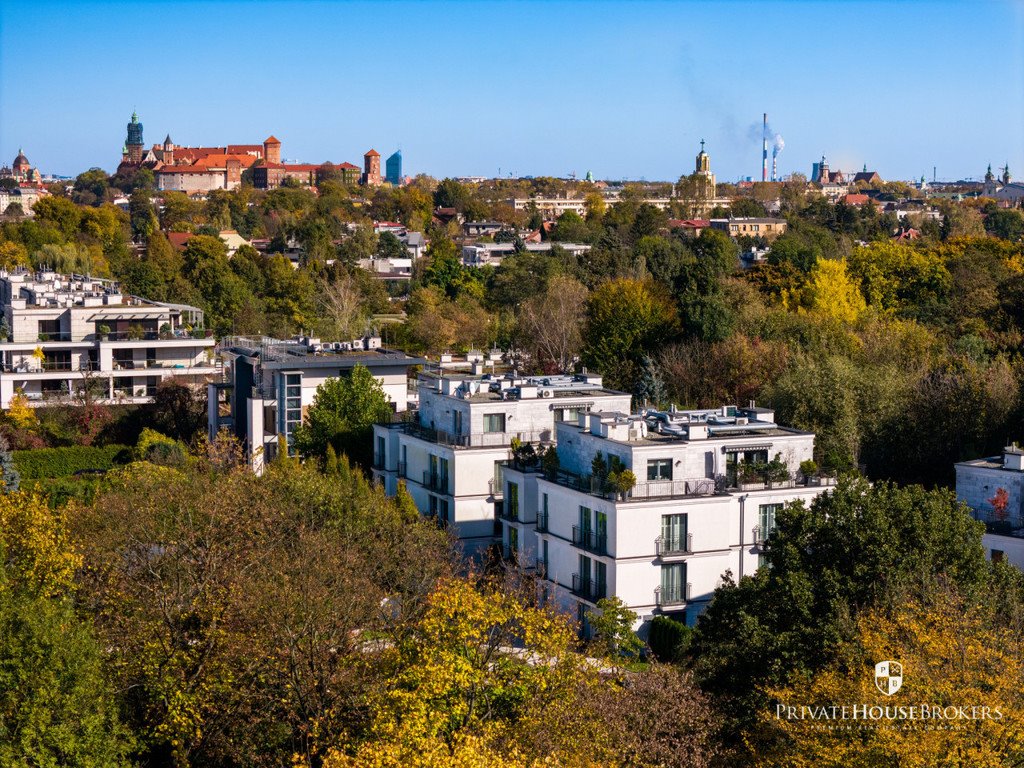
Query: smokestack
[
  {"x": 775, "y": 162},
  {"x": 764, "y": 149}
]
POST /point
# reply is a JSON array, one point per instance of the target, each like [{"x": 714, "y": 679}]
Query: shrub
[
  {"x": 43, "y": 463},
  {"x": 668, "y": 638}
]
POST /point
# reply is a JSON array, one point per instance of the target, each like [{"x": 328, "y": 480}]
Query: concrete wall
[{"x": 976, "y": 485}]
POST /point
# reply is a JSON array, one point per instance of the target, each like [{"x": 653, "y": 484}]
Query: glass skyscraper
[{"x": 393, "y": 169}]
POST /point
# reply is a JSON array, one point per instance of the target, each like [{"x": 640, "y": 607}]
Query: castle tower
[
  {"x": 168, "y": 157},
  {"x": 1006, "y": 174},
  {"x": 989, "y": 176},
  {"x": 134, "y": 142},
  {"x": 271, "y": 150},
  {"x": 371, "y": 168}
]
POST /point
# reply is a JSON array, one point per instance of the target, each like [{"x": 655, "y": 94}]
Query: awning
[
  {"x": 104, "y": 318},
  {"x": 745, "y": 448}
]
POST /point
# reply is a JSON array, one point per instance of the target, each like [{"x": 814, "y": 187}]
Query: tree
[
  {"x": 612, "y": 625},
  {"x": 624, "y": 320},
  {"x": 343, "y": 412},
  {"x": 390, "y": 247},
  {"x": 1005, "y": 223},
  {"x": 55, "y": 708},
  {"x": 831, "y": 293},
  {"x": 551, "y": 323},
  {"x": 851, "y": 549},
  {"x": 10, "y": 478},
  {"x": 953, "y": 655},
  {"x": 241, "y": 608},
  {"x": 342, "y": 304}
]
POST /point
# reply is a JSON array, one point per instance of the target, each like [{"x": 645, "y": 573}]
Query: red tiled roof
[
  {"x": 244, "y": 149},
  {"x": 689, "y": 223},
  {"x": 178, "y": 239},
  {"x": 348, "y": 167},
  {"x": 172, "y": 169},
  {"x": 854, "y": 199},
  {"x": 271, "y": 139},
  {"x": 372, "y": 153}
]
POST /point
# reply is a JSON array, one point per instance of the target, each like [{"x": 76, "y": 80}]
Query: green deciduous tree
[{"x": 342, "y": 414}]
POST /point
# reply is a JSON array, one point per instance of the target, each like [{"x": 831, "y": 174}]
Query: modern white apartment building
[
  {"x": 708, "y": 484},
  {"x": 64, "y": 332},
  {"x": 978, "y": 484},
  {"x": 270, "y": 383},
  {"x": 451, "y": 456}
]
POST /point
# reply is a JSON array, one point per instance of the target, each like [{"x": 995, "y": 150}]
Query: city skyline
[{"x": 465, "y": 89}]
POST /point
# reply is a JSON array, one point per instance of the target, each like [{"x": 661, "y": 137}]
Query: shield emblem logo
[{"x": 888, "y": 676}]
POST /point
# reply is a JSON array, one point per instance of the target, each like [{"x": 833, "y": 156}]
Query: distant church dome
[{"x": 20, "y": 159}]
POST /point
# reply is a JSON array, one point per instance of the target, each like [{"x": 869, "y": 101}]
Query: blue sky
[{"x": 532, "y": 88}]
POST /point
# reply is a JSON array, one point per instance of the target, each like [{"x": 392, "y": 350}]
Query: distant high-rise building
[
  {"x": 393, "y": 169},
  {"x": 134, "y": 142}
]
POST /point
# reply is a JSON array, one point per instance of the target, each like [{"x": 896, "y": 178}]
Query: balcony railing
[
  {"x": 655, "y": 489},
  {"x": 678, "y": 594},
  {"x": 403, "y": 469},
  {"x": 760, "y": 535},
  {"x": 378, "y": 460},
  {"x": 542, "y": 521},
  {"x": 479, "y": 440},
  {"x": 1011, "y": 525},
  {"x": 508, "y": 513},
  {"x": 495, "y": 488},
  {"x": 588, "y": 589},
  {"x": 435, "y": 482},
  {"x": 542, "y": 568},
  {"x": 55, "y": 336},
  {"x": 674, "y": 545},
  {"x": 592, "y": 541}
]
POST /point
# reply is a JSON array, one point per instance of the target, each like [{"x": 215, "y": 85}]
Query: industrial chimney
[{"x": 764, "y": 149}]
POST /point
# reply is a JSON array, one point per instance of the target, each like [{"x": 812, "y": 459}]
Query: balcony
[
  {"x": 655, "y": 489},
  {"x": 510, "y": 553},
  {"x": 378, "y": 460},
  {"x": 678, "y": 594},
  {"x": 479, "y": 440},
  {"x": 55, "y": 336},
  {"x": 761, "y": 535},
  {"x": 588, "y": 589},
  {"x": 674, "y": 546},
  {"x": 592, "y": 541},
  {"x": 403, "y": 470},
  {"x": 542, "y": 521},
  {"x": 509, "y": 515},
  {"x": 542, "y": 568},
  {"x": 1009, "y": 526},
  {"x": 435, "y": 482}
]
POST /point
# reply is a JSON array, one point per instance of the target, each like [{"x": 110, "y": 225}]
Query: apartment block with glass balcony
[
  {"x": 270, "y": 383},
  {"x": 451, "y": 456},
  {"x": 65, "y": 332},
  {"x": 708, "y": 484}
]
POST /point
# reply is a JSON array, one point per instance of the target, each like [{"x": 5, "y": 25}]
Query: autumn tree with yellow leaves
[{"x": 955, "y": 655}]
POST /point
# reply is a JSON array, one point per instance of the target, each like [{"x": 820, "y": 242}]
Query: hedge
[{"x": 43, "y": 463}]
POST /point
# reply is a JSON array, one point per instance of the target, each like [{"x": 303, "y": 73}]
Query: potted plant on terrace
[
  {"x": 749, "y": 475},
  {"x": 104, "y": 332},
  {"x": 809, "y": 471},
  {"x": 776, "y": 471}
]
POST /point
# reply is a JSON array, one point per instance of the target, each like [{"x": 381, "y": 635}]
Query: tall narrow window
[
  {"x": 673, "y": 533},
  {"x": 766, "y": 517},
  {"x": 513, "y": 501},
  {"x": 673, "y": 583}
]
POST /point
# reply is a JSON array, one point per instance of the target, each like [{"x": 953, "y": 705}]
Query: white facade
[
  {"x": 450, "y": 458},
  {"x": 492, "y": 253},
  {"x": 978, "y": 482},
  {"x": 663, "y": 546},
  {"x": 271, "y": 384},
  {"x": 186, "y": 179},
  {"x": 67, "y": 332}
]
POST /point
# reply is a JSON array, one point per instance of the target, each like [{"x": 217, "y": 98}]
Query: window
[
  {"x": 49, "y": 330},
  {"x": 378, "y": 459},
  {"x": 673, "y": 533},
  {"x": 570, "y": 414},
  {"x": 442, "y": 510},
  {"x": 494, "y": 422},
  {"x": 545, "y": 503},
  {"x": 585, "y": 521},
  {"x": 766, "y": 517},
  {"x": 673, "y": 583},
  {"x": 513, "y": 541},
  {"x": 659, "y": 469},
  {"x": 513, "y": 501},
  {"x": 433, "y": 505},
  {"x": 456, "y": 422},
  {"x": 289, "y": 406}
]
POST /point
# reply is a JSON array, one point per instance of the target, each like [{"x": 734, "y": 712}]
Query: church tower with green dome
[{"x": 134, "y": 142}]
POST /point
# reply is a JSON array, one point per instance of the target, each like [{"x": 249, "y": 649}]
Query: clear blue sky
[{"x": 534, "y": 88}]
